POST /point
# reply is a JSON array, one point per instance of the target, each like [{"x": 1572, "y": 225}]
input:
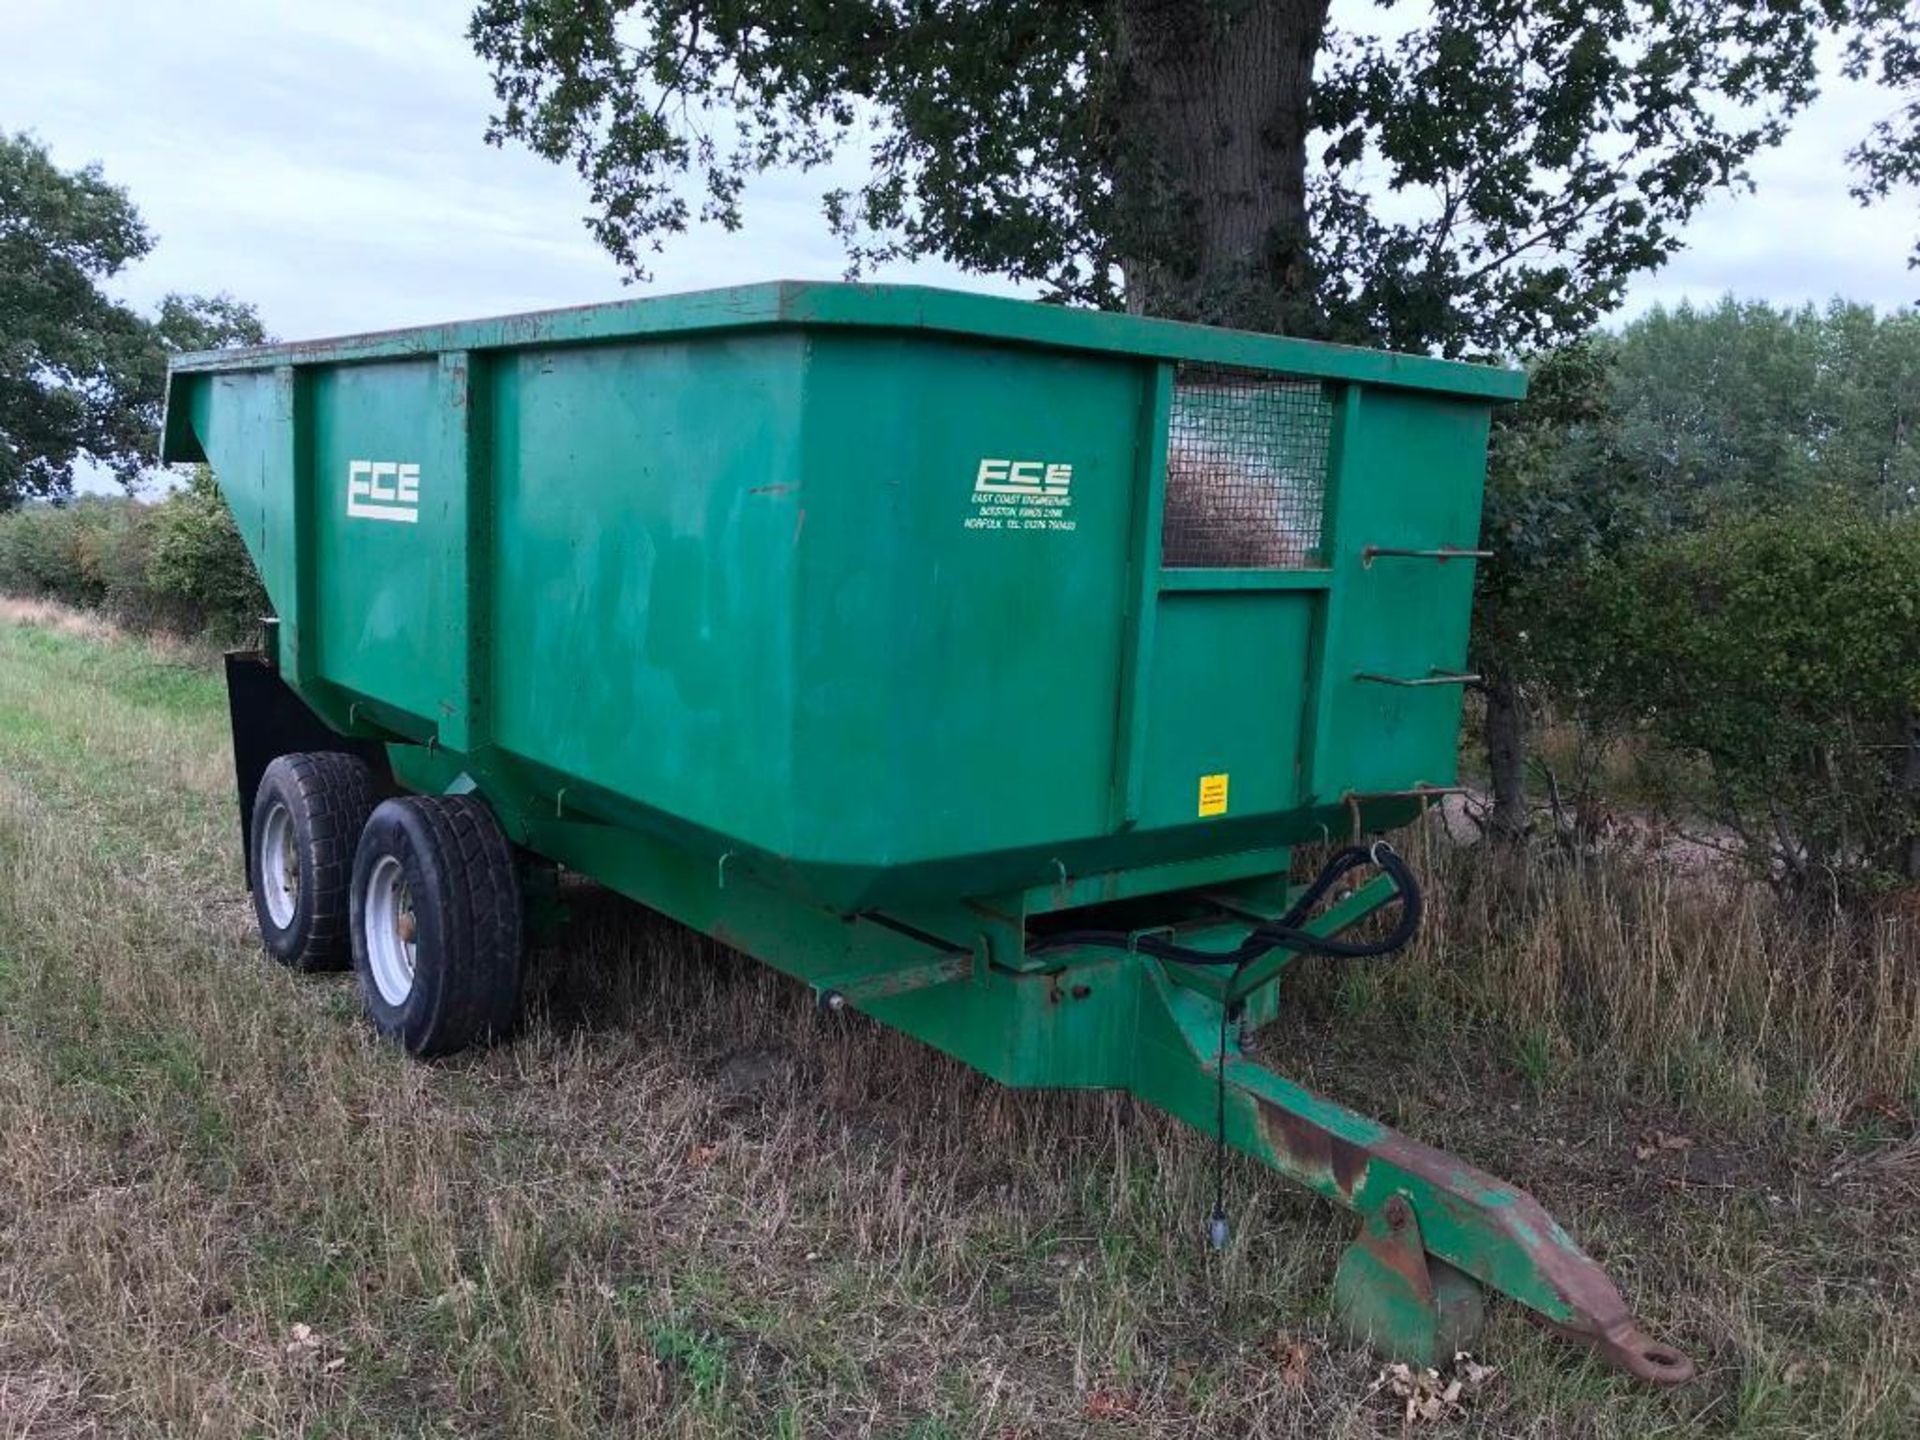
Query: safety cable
[{"x": 1217, "y": 1221}]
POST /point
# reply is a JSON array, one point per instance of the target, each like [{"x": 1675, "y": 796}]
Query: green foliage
[
  {"x": 64, "y": 554},
  {"x": 1684, "y": 418},
  {"x": 1717, "y": 407},
  {"x": 198, "y": 562},
  {"x": 1783, "y": 650},
  {"x": 1539, "y": 152},
  {"x": 700, "y": 1357},
  {"x": 1554, "y": 150},
  {"x": 82, "y": 376},
  {"x": 1741, "y": 405},
  {"x": 177, "y": 564},
  {"x": 1556, "y": 497},
  {"x": 1869, "y": 403},
  {"x": 1624, "y": 593}
]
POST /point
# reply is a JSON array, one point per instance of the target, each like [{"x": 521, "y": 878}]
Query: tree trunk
[
  {"x": 1506, "y": 737},
  {"x": 1910, "y": 783},
  {"x": 1210, "y": 172}
]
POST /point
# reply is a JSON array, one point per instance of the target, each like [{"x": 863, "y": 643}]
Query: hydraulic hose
[{"x": 1286, "y": 932}]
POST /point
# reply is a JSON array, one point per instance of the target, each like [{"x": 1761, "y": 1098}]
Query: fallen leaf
[
  {"x": 1428, "y": 1396},
  {"x": 1109, "y": 1405},
  {"x": 1293, "y": 1358},
  {"x": 1472, "y": 1371}
]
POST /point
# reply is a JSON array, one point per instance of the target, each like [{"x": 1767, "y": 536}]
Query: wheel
[
  {"x": 307, "y": 816},
  {"x": 437, "y": 928}
]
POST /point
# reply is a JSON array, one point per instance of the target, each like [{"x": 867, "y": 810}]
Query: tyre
[
  {"x": 307, "y": 816},
  {"x": 436, "y": 923}
]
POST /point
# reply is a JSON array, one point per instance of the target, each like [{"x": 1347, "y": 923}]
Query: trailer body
[
  {"x": 886, "y": 632},
  {"x": 865, "y": 586}
]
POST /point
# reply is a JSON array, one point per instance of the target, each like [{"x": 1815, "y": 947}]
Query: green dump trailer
[{"x": 979, "y": 663}]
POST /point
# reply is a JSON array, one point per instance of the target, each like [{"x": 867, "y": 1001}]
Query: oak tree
[{"x": 1472, "y": 176}]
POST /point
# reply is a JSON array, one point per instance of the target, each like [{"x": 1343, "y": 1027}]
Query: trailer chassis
[{"x": 963, "y": 977}]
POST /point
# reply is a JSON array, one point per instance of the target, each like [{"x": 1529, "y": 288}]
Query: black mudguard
[{"x": 269, "y": 720}]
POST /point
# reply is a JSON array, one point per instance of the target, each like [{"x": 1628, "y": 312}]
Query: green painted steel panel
[
  {"x": 1227, "y": 698},
  {"x": 644, "y": 558},
  {"x": 858, "y": 588},
  {"x": 910, "y": 308},
  {"x": 247, "y": 419},
  {"x": 957, "y": 666},
  {"x": 1410, "y": 477},
  {"x": 385, "y": 587}
]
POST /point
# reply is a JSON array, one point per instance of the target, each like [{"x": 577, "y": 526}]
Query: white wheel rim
[
  {"x": 279, "y": 866},
  {"x": 387, "y": 924}
]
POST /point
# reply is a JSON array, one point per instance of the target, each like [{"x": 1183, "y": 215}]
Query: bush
[
  {"x": 62, "y": 553},
  {"x": 199, "y": 564},
  {"x": 177, "y": 564},
  {"x": 1783, "y": 651}
]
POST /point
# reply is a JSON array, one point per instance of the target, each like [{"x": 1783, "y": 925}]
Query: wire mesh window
[{"x": 1246, "y": 470}]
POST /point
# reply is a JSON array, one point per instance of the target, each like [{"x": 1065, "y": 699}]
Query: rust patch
[
  {"x": 1349, "y": 1165},
  {"x": 1396, "y": 1245},
  {"x": 1306, "y": 1147}
]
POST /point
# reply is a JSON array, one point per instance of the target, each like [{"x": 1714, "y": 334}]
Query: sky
[{"x": 324, "y": 160}]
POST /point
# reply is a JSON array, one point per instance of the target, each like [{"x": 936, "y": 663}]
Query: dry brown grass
[
  {"x": 685, "y": 1204},
  {"x": 1710, "y": 991},
  {"x": 47, "y": 615},
  {"x": 25, "y": 612}
]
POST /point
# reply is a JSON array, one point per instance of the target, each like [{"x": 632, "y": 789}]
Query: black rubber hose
[{"x": 1286, "y": 932}]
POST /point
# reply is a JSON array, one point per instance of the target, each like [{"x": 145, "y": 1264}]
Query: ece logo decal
[
  {"x": 383, "y": 490},
  {"x": 1022, "y": 495}
]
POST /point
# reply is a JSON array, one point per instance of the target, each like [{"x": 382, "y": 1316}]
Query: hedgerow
[{"x": 175, "y": 564}]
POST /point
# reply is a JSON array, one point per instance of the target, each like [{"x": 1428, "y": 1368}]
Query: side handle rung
[
  {"x": 1437, "y": 677},
  {"x": 1441, "y": 553}
]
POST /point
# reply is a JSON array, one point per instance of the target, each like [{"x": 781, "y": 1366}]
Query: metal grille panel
[{"x": 1246, "y": 470}]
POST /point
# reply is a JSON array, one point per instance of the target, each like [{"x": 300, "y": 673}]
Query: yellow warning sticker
[{"x": 1213, "y": 794}]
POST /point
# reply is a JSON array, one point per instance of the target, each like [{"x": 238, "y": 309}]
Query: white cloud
[{"x": 1798, "y": 236}]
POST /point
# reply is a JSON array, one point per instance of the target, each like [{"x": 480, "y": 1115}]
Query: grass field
[{"x": 685, "y": 1204}]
